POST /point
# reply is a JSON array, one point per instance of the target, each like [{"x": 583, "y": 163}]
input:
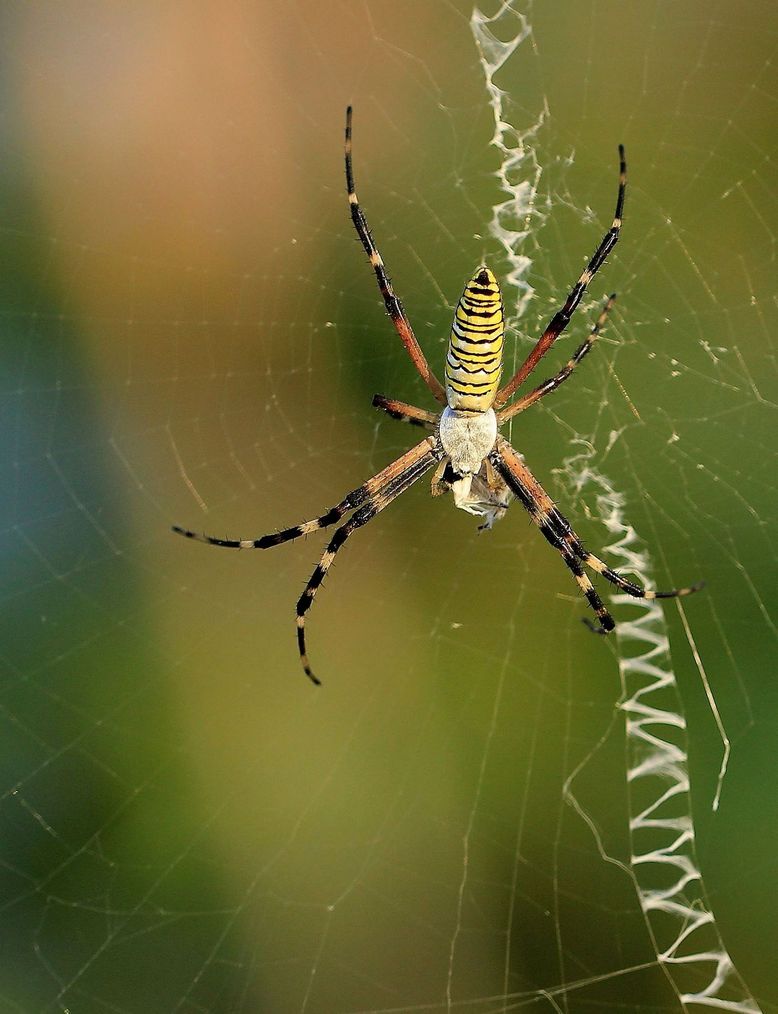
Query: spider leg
[
  {"x": 510, "y": 467},
  {"x": 352, "y": 500},
  {"x": 562, "y": 317},
  {"x": 630, "y": 587},
  {"x": 554, "y": 382},
  {"x": 386, "y": 487},
  {"x": 557, "y": 530},
  {"x": 404, "y": 412},
  {"x": 330, "y": 517},
  {"x": 393, "y": 305}
]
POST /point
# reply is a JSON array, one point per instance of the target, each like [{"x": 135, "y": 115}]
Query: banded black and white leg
[
  {"x": 380, "y": 492},
  {"x": 561, "y": 318},
  {"x": 552, "y": 383},
  {"x": 558, "y": 532},
  {"x": 392, "y": 303},
  {"x": 331, "y": 517},
  {"x": 367, "y": 500}
]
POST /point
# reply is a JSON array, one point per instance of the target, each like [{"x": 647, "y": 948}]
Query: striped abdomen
[{"x": 474, "y": 359}]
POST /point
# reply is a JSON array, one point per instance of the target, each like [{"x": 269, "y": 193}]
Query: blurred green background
[{"x": 190, "y": 334}]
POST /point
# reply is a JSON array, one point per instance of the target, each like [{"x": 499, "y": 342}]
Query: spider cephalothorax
[{"x": 473, "y": 460}]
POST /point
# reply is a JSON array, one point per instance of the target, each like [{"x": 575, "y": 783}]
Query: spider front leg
[
  {"x": 367, "y": 500},
  {"x": 386, "y": 487},
  {"x": 558, "y": 531},
  {"x": 330, "y": 517},
  {"x": 351, "y": 501}
]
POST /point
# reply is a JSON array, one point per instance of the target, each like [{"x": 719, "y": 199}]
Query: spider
[{"x": 474, "y": 462}]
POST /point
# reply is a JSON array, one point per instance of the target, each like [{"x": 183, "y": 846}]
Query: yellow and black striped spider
[{"x": 473, "y": 460}]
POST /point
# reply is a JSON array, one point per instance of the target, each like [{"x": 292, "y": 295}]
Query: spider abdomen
[{"x": 474, "y": 358}]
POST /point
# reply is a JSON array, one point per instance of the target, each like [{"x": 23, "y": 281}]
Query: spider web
[{"x": 484, "y": 808}]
